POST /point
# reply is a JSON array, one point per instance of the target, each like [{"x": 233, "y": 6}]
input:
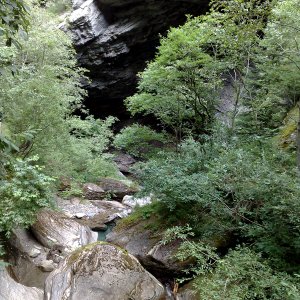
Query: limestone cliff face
[{"x": 115, "y": 38}]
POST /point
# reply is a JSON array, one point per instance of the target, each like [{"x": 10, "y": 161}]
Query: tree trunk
[{"x": 298, "y": 140}]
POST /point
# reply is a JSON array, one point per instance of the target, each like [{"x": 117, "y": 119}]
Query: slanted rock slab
[
  {"x": 102, "y": 271},
  {"x": 11, "y": 290},
  {"x": 55, "y": 229}
]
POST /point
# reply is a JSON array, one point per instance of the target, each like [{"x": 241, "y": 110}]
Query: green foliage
[
  {"x": 180, "y": 86},
  {"x": 242, "y": 275},
  {"x": 13, "y": 20},
  {"x": 42, "y": 96},
  {"x": 230, "y": 190},
  {"x": 23, "y": 191},
  {"x": 58, "y": 6},
  {"x": 140, "y": 140},
  {"x": 202, "y": 254}
]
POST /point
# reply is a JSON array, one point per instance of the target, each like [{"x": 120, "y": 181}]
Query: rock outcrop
[
  {"x": 187, "y": 292},
  {"x": 115, "y": 38},
  {"x": 108, "y": 188},
  {"x": 54, "y": 229},
  {"x": 29, "y": 259},
  {"x": 102, "y": 271},
  {"x": 11, "y": 290},
  {"x": 146, "y": 246}
]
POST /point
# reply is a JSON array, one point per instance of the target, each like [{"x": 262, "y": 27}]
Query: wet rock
[
  {"x": 54, "y": 228},
  {"x": 102, "y": 271},
  {"x": 11, "y": 290}
]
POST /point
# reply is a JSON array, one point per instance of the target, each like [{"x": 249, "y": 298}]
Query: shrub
[
  {"x": 242, "y": 275},
  {"x": 23, "y": 191},
  {"x": 140, "y": 140},
  {"x": 230, "y": 191}
]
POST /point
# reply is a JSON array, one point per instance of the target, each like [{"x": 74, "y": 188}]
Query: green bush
[
  {"x": 235, "y": 191},
  {"x": 140, "y": 141},
  {"x": 242, "y": 275},
  {"x": 23, "y": 191}
]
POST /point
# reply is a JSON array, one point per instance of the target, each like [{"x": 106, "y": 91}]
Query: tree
[
  {"x": 279, "y": 63},
  {"x": 182, "y": 85},
  {"x": 13, "y": 19}
]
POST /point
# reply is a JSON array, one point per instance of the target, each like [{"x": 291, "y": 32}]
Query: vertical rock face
[{"x": 115, "y": 38}]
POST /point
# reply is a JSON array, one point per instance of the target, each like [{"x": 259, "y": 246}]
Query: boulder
[
  {"x": 133, "y": 202},
  {"x": 77, "y": 208},
  {"x": 146, "y": 245},
  {"x": 28, "y": 259},
  {"x": 124, "y": 162},
  {"x": 93, "y": 191},
  {"x": 102, "y": 271},
  {"x": 109, "y": 212},
  {"x": 116, "y": 189},
  {"x": 187, "y": 292},
  {"x": 11, "y": 290},
  {"x": 94, "y": 213},
  {"x": 55, "y": 230}
]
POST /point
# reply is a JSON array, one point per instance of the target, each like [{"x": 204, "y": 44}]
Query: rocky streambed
[{"x": 60, "y": 257}]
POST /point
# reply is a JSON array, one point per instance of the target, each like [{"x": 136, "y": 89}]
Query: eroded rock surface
[
  {"x": 11, "y": 290},
  {"x": 187, "y": 292},
  {"x": 141, "y": 242},
  {"x": 102, "y": 271},
  {"x": 115, "y": 38},
  {"x": 55, "y": 229},
  {"x": 29, "y": 259}
]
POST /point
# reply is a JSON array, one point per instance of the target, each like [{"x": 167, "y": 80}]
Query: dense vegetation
[
  {"x": 224, "y": 173},
  {"x": 41, "y": 138},
  {"x": 226, "y": 84}
]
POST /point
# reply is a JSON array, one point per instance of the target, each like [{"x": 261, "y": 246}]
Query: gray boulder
[
  {"x": 115, "y": 189},
  {"x": 132, "y": 202},
  {"x": 53, "y": 229},
  {"x": 146, "y": 245},
  {"x": 108, "y": 211},
  {"x": 11, "y": 290},
  {"x": 93, "y": 191},
  {"x": 124, "y": 162},
  {"x": 187, "y": 292},
  {"x": 102, "y": 271},
  {"x": 28, "y": 259}
]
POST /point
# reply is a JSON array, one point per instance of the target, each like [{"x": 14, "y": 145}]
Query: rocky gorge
[
  {"x": 115, "y": 39},
  {"x": 59, "y": 256}
]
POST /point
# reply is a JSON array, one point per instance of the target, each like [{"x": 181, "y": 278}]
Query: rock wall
[{"x": 115, "y": 38}]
